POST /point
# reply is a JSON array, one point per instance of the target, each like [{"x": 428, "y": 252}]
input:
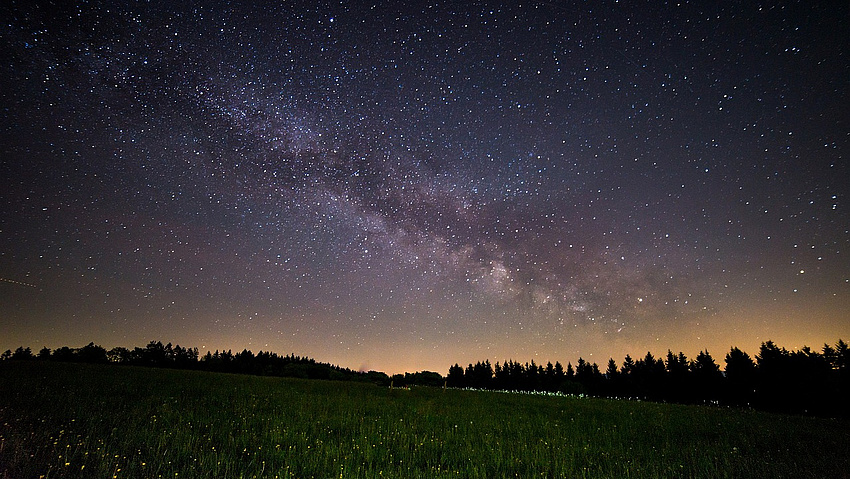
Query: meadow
[{"x": 81, "y": 420}]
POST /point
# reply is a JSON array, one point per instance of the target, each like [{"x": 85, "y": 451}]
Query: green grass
[{"x": 74, "y": 420}]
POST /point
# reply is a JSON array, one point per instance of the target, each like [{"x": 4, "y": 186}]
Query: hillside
[{"x": 82, "y": 420}]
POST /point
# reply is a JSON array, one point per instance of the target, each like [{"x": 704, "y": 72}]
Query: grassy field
[{"x": 74, "y": 420}]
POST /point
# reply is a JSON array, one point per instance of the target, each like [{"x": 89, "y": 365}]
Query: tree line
[
  {"x": 263, "y": 363},
  {"x": 802, "y": 381},
  {"x": 156, "y": 354}
]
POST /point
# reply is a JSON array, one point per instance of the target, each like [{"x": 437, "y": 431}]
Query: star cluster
[{"x": 403, "y": 186}]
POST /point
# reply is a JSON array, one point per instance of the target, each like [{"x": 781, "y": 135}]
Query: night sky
[{"x": 401, "y": 186}]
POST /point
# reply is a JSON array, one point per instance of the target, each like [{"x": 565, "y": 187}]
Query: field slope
[{"x": 76, "y": 420}]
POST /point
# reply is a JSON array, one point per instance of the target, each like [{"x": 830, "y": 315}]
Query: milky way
[{"x": 409, "y": 185}]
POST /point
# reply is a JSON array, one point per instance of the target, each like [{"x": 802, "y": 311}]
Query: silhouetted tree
[
  {"x": 628, "y": 365},
  {"x": 740, "y": 377},
  {"x": 119, "y": 355},
  {"x": 185, "y": 358},
  {"x": 512, "y": 376},
  {"x": 548, "y": 382},
  {"x": 154, "y": 355},
  {"x": 484, "y": 374},
  {"x": 648, "y": 377},
  {"x": 22, "y": 354},
  {"x": 44, "y": 353},
  {"x": 772, "y": 386},
  {"x": 678, "y": 385},
  {"x": 92, "y": 353},
  {"x": 455, "y": 378},
  {"x": 771, "y": 358},
  {"x": 498, "y": 376},
  {"x": 842, "y": 355},
  {"x": 378, "y": 378},
  {"x": 532, "y": 375},
  {"x": 583, "y": 370},
  {"x": 244, "y": 362},
  {"x": 626, "y": 380},
  {"x": 589, "y": 376},
  {"x": 559, "y": 372},
  {"x": 611, "y": 372},
  {"x": 841, "y": 366},
  {"x": 63, "y": 354},
  {"x": 479, "y": 375},
  {"x": 811, "y": 374},
  {"x": 830, "y": 356},
  {"x": 611, "y": 386},
  {"x": 707, "y": 377}
]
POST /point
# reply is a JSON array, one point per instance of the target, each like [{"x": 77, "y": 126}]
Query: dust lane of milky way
[{"x": 403, "y": 186}]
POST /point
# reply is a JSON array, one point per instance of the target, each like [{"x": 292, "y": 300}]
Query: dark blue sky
[{"x": 408, "y": 185}]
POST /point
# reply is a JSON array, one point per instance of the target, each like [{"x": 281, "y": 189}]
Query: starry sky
[{"x": 401, "y": 186}]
